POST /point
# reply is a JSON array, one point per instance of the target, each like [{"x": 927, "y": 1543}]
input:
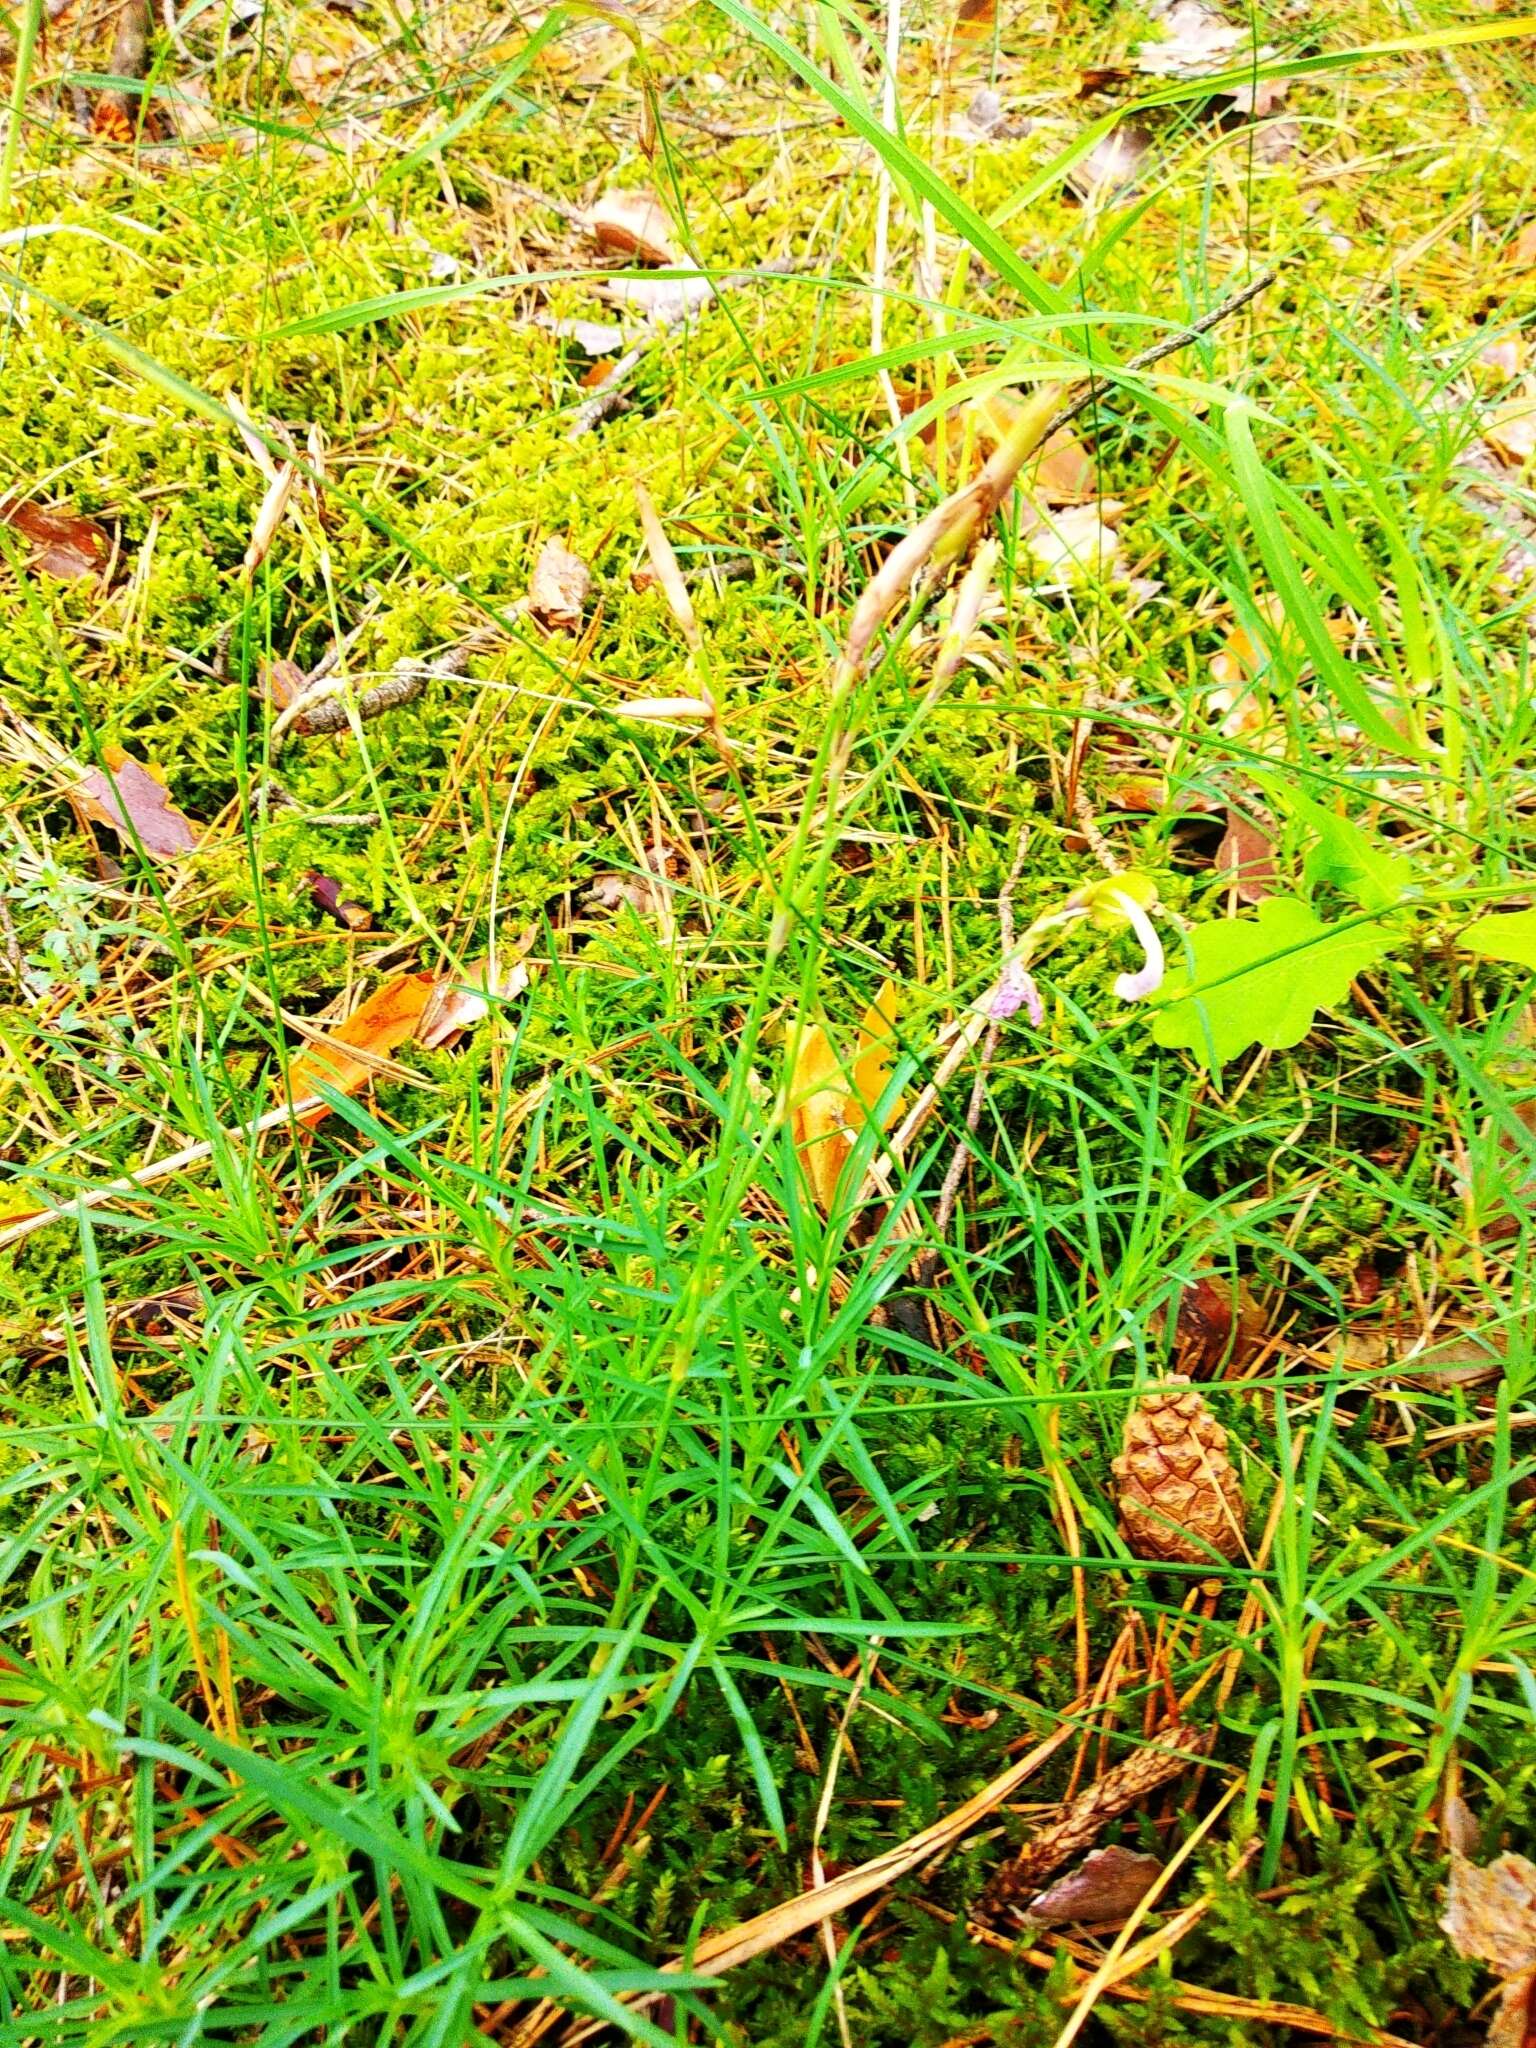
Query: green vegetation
[{"x": 463, "y": 1550}]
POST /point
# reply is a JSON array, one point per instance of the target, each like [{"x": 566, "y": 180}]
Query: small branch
[
  {"x": 326, "y": 710},
  {"x": 1169, "y": 345}
]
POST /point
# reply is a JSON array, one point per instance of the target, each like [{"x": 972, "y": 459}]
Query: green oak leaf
[
  {"x": 1351, "y": 859},
  {"x": 1508, "y": 935},
  {"x": 1261, "y": 980}
]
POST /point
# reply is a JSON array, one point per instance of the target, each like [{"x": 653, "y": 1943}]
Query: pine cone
[{"x": 1179, "y": 1497}]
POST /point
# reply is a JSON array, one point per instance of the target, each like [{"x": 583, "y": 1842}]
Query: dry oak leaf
[
  {"x": 131, "y": 800},
  {"x": 557, "y": 590},
  {"x": 1108, "y": 1884},
  {"x": 1112, "y": 165},
  {"x": 63, "y": 543},
  {"x": 830, "y": 1101},
  {"x": 1247, "y": 855},
  {"x": 1217, "y": 1325},
  {"x": 633, "y": 224},
  {"x": 375, "y": 1029},
  {"x": 976, "y": 20},
  {"x": 461, "y": 1001}
]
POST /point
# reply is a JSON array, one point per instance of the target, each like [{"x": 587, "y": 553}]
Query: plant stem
[{"x": 26, "y": 51}]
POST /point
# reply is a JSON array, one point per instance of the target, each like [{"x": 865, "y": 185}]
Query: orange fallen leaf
[
  {"x": 976, "y": 19},
  {"x": 1064, "y": 473},
  {"x": 132, "y": 801},
  {"x": 63, "y": 543},
  {"x": 1247, "y": 855},
  {"x": 375, "y": 1029},
  {"x": 1524, "y": 251},
  {"x": 830, "y": 1102}
]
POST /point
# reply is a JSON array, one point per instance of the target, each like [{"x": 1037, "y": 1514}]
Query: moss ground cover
[{"x": 459, "y": 1558}]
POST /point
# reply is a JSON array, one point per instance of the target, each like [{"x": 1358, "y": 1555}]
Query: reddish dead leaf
[
  {"x": 117, "y": 115},
  {"x": 1109, "y": 1884},
  {"x": 375, "y": 1029},
  {"x": 1247, "y": 855},
  {"x": 633, "y": 224},
  {"x": 132, "y": 800},
  {"x": 63, "y": 543},
  {"x": 557, "y": 590},
  {"x": 325, "y": 893},
  {"x": 1218, "y": 1326},
  {"x": 1147, "y": 793}
]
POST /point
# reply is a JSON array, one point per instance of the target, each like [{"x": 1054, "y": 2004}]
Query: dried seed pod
[{"x": 1178, "y": 1494}]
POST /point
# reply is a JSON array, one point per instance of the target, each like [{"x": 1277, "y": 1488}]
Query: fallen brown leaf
[
  {"x": 132, "y": 801},
  {"x": 592, "y": 337},
  {"x": 976, "y": 20},
  {"x": 1490, "y": 1913},
  {"x": 665, "y": 300},
  {"x": 389, "y": 1017},
  {"x": 633, "y": 224},
  {"x": 117, "y": 115},
  {"x": 1111, "y": 166},
  {"x": 1107, "y": 1885},
  {"x": 1065, "y": 473},
  {"x": 461, "y": 1001},
  {"x": 1524, "y": 250},
  {"x": 557, "y": 590},
  {"x": 1247, "y": 855},
  {"x": 64, "y": 544},
  {"x": 1218, "y": 1325},
  {"x": 1195, "y": 39}
]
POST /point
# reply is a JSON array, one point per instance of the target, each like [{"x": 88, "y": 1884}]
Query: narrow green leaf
[{"x": 1301, "y": 607}]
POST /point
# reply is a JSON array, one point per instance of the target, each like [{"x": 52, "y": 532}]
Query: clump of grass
[{"x": 441, "y": 1552}]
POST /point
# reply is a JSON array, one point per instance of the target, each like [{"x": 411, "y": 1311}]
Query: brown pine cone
[{"x": 1179, "y": 1497}]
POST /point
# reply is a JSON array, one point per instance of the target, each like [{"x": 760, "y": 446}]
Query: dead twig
[
  {"x": 1169, "y": 345},
  {"x": 322, "y": 707}
]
